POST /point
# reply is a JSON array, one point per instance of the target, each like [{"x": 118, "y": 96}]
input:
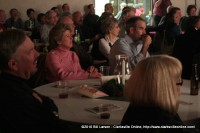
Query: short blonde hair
[{"x": 153, "y": 82}]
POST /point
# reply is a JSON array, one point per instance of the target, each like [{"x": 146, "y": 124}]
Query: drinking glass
[
  {"x": 63, "y": 89},
  {"x": 105, "y": 70}
]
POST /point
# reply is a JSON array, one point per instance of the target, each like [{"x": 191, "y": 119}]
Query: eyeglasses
[
  {"x": 180, "y": 83},
  {"x": 69, "y": 36}
]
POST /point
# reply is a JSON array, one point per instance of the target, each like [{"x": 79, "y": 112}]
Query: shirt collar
[{"x": 130, "y": 40}]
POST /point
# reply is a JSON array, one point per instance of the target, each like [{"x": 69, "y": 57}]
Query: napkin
[{"x": 91, "y": 92}]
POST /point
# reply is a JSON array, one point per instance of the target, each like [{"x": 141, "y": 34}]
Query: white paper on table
[{"x": 91, "y": 92}]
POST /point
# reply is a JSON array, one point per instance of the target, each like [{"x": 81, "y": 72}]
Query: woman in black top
[{"x": 153, "y": 91}]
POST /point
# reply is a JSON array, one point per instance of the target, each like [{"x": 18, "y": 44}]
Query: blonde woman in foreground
[{"x": 153, "y": 91}]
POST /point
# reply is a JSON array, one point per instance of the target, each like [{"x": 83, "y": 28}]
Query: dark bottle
[{"x": 194, "y": 81}]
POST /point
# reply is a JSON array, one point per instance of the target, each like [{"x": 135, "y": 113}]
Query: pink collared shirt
[{"x": 63, "y": 65}]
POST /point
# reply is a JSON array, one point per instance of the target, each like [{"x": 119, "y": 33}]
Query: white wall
[
  {"x": 100, "y": 6},
  {"x": 44, "y": 5},
  {"x": 182, "y": 4},
  {"x": 41, "y": 5}
]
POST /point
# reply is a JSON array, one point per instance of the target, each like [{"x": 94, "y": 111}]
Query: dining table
[
  {"x": 189, "y": 105},
  {"x": 73, "y": 108}
]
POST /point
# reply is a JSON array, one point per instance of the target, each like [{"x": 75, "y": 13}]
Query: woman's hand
[
  {"x": 95, "y": 75},
  {"x": 93, "y": 72},
  {"x": 92, "y": 69}
]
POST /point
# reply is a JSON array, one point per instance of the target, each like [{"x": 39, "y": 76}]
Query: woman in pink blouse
[{"x": 61, "y": 63}]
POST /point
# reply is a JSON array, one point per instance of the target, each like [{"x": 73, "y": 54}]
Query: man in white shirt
[{"x": 52, "y": 18}]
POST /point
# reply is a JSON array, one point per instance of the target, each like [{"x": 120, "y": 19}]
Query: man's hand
[{"x": 146, "y": 41}]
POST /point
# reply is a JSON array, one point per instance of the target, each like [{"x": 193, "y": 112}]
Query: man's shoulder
[
  {"x": 123, "y": 41},
  {"x": 10, "y": 85},
  {"x": 120, "y": 46}
]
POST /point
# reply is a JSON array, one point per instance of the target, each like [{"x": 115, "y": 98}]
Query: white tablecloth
[
  {"x": 73, "y": 108},
  {"x": 189, "y": 107}
]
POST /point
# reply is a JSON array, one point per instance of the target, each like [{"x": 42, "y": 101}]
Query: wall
[
  {"x": 44, "y": 5},
  {"x": 41, "y": 5},
  {"x": 184, "y": 3}
]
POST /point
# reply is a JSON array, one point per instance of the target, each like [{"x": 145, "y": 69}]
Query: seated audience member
[
  {"x": 139, "y": 10},
  {"x": 67, "y": 20},
  {"x": 14, "y": 21},
  {"x": 154, "y": 102},
  {"x": 108, "y": 8},
  {"x": 55, "y": 9},
  {"x": 65, "y": 8},
  {"x": 110, "y": 29},
  {"x": 191, "y": 11},
  {"x": 2, "y": 20},
  {"x": 82, "y": 30},
  {"x": 60, "y": 10},
  {"x": 36, "y": 33},
  {"x": 159, "y": 10},
  {"x": 103, "y": 17},
  {"x": 84, "y": 57},
  {"x": 96, "y": 54},
  {"x": 41, "y": 18},
  {"x": 122, "y": 5},
  {"x": 187, "y": 45},
  {"x": 127, "y": 13},
  {"x": 32, "y": 22},
  {"x": 164, "y": 17},
  {"x": 22, "y": 109},
  {"x": 167, "y": 32},
  {"x": 90, "y": 19},
  {"x": 135, "y": 44},
  {"x": 51, "y": 21},
  {"x": 61, "y": 63}
]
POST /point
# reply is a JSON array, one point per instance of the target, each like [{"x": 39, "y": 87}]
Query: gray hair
[{"x": 10, "y": 40}]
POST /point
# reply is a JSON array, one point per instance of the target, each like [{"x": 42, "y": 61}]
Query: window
[{"x": 143, "y": 7}]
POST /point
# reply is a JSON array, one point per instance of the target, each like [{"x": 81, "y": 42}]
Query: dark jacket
[
  {"x": 90, "y": 21},
  {"x": 145, "y": 116},
  {"x": 10, "y": 23},
  {"x": 164, "y": 38},
  {"x": 186, "y": 46},
  {"x": 21, "y": 112}
]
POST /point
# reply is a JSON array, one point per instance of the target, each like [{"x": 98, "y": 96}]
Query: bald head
[
  {"x": 68, "y": 21},
  {"x": 77, "y": 18}
]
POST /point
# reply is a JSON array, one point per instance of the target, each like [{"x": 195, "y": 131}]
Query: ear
[
  {"x": 58, "y": 42},
  {"x": 131, "y": 29},
  {"x": 12, "y": 64}
]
